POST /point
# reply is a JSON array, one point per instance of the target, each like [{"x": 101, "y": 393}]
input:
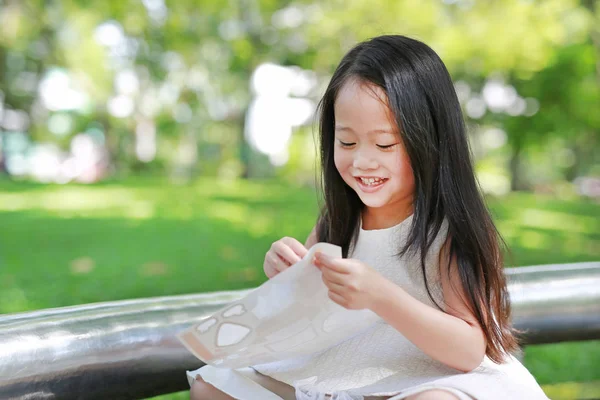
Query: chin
[{"x": 373, "y": 201}]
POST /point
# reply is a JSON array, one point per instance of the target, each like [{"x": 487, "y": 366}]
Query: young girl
[{"x": 420, "y": 248}]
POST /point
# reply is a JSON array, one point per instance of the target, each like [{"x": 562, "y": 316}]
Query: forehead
[{"x": 362, "y": 107}]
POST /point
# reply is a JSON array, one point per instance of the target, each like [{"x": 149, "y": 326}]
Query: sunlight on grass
[
  {"x": 239, "y": 189},
  {"x": 80, "y": 201},
  {"x": 508, "y": 229},
  {"x": 533, "y": 240},
  {"x": 242, "y": 216},
  {"x": 82, "y": 265},
  {"x": 540, "y": 229},
  {"x": 234, "y": 213},
  {"x": 573, "y": 390},
  {"x": 260, "y": 225},
  {"x": 560, "y": 221}
]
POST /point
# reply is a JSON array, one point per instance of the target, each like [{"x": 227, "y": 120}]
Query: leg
[
  {"x": 204, "y": 391},
  {"x": 281, "y": 389},
  {"x": 433, "y": 394}
]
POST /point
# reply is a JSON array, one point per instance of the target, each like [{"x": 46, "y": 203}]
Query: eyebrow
[{"x": 373, "y": 131}]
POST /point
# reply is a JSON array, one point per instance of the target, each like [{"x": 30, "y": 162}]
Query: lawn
[{"x": 65, "y": 245}]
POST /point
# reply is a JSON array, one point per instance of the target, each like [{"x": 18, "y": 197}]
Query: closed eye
[
  {"x": 381, "y": 146},
  {"x": 346, "y": 144}
]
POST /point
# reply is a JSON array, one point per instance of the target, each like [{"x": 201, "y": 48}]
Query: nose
[{"x": 364, "y": 160}]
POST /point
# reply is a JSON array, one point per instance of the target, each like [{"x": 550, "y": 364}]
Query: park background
[{"x": 152, "y": 147}]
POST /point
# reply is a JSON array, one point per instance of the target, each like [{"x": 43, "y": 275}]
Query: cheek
[
  {"x": 407, "y": 170},
  {"x": 341, "y": 162},
  {"x": 407, "y": 175},
  {"x": 404, "y": 171}
]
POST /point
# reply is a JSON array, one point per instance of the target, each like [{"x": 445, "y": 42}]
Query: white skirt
[{"x": 242, "y": 384}]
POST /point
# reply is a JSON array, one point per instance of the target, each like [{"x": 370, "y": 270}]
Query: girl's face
[{"x": 368, "y": 152}]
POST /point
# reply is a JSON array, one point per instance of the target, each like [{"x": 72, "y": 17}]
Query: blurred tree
[
  {"x": 169, "y": 80},
  {"x": 569, "y": 92}
]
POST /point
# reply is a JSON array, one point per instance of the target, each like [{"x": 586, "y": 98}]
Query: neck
[{"x": 385, "y": 217}]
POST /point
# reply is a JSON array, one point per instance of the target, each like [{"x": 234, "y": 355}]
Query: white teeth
[{"x": 371, "y": 181}]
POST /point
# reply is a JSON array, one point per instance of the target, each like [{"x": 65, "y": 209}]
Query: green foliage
[{"x": 547, "y": 50}]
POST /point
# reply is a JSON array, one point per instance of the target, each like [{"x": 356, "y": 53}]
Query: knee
[
  {"x": 198, "y": 389},
  {"x": 433, "y": 394},
  {"x": 201, "y": 390}
]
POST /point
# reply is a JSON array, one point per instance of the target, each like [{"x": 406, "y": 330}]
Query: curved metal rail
[{"x": 128, "y": 350}]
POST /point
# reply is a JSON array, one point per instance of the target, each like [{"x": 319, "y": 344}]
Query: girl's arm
[{"x": 453, "y": 337}]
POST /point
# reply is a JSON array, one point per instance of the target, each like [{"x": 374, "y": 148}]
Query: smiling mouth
[{"x": 371, "y": 182}]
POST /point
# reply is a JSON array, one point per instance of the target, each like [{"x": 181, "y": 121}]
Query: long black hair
[{"x": 422, "y": 99}]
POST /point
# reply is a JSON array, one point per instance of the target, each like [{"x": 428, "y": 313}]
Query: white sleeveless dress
[{"x": 380, "y": 361}]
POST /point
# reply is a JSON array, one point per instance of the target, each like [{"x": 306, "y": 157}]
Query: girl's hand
[
  {"x": 283, "y": 253},
  {"x": 352, "y": 284}
]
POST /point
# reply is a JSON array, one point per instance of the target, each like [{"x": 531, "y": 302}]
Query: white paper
[{"x": 289, "y": 315}]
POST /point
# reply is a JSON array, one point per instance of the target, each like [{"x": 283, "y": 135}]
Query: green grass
[
  {"x": 66, "y": 245},
  {"x": 70, "y": 245}
]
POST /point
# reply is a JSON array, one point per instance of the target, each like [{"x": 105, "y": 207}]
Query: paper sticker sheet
[{"x": 289, "y": 315}]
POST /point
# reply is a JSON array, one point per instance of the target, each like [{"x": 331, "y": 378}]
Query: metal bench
[{"x": 128, "y": 350}]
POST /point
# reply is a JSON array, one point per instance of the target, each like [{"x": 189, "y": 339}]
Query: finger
[
  {"x": 286, "y": 262},
  {"x": 296, "y": 246},
  {"x": 268, "y": 266},
  {"x": 286, "y": 252},
  {"x": 276, "y": 262},
  {"x": 337, "y": 298},
  {"x": 334, "y": 287},
  {"x": 270, "y": 271},
  {"x": 332, "y": 263},
  {"x": 332, "y": 276}
]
